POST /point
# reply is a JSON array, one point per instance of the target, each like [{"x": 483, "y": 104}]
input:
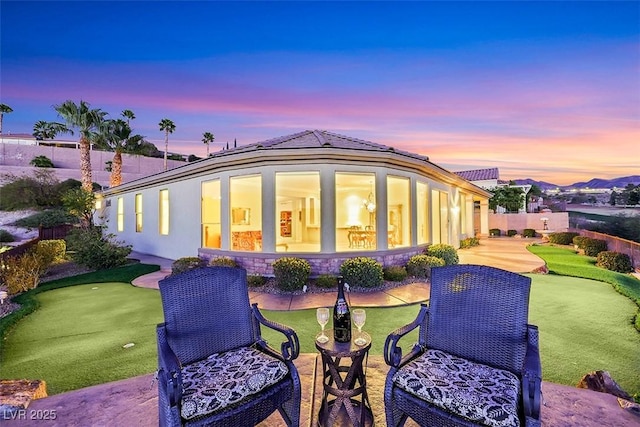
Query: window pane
[
  {"x": 422, "y": 221},
  {"x": 298, "y": 212},
  {"x": 164, "y": 212},
  {"x": 398, "y": 212},
  {"x": 355, "y": 212},
  {"x": 245, "y": 201},
  {"x": 463, "y": 214},
  {"x": 138, "y": 213},
  {"x": 211, "y": 214},
  {"x": 120, "y": 214}
]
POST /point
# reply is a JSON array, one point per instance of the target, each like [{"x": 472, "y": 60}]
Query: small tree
[
  {"x": 509, "y": 198},
  {"x": 80, "y": 203}
]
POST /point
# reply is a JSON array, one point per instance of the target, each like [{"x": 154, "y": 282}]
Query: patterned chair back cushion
[
  {"x": 207, "y": 310},
  {"x": 479, "y": 313}
]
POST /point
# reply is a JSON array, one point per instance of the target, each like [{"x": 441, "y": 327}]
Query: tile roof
[
  {"x": 479, "y": 174},
  {"x": 317, "y": 139}
]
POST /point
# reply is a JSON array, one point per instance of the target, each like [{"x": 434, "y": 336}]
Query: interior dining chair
[
  {"x": 476, "y": 361},
  {"x": 214, "y": 367}
]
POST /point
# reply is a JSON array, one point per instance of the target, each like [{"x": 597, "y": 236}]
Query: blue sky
[{"x": 548, "y": 90}]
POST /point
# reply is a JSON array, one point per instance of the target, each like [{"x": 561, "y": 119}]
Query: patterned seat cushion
[
  {"x": 224, "y": 379},
  {"x": 477, "y": 392}
]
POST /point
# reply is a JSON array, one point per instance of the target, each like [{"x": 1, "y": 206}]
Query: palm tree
[
  {"x": 128, "y": 114},
  {"x": 167, "y": 126},
  {"x": 85, "y": 120},
  {"x": 44, "y": 131},
  {"x": 4, "y": 108},
  {"x": 208, "y": 138},
  {"x": 116, "y": 135}
]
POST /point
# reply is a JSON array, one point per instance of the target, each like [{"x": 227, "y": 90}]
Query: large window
[
  {"x": 298, "y": 212},
  {"x": 440, "y": 217},
  {"x": 463, "y": 214},
  {"x": 163, "y": 215},
  {"x": 120, "y": 214},
  {"x": 245, "y": 204},
  {"x": 355, "y": 212},
  {"x": 138, "y": 207},
  {"x": 211, "y": 214},
  {"x": 422, "y": 211},
  {"x": 398, "y": 211}
]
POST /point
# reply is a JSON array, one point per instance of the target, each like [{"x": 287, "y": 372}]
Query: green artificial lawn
[{"x": 75, "y": 338}]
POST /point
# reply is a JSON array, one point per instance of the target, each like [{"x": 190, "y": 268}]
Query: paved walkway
[{"x": 507, "y": 253}]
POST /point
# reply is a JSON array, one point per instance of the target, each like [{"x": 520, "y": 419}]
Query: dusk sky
[{"x": 543, "y": 90}]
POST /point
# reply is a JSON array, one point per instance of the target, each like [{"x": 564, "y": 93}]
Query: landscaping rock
[
  {"x": 16, "y": 395},
  {"x": 601, "y": 381}
]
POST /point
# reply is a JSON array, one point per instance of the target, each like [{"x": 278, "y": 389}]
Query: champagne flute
[
  {"x": 359, "y": 317},
  {"x": 322, "y": 316}
]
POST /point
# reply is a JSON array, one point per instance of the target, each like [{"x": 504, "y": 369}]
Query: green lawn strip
[
  {"x": 566, "y": 262},
  {"x": 75, "y": 339}
]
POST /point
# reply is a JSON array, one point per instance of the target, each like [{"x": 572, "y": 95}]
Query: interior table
[{"x": 344, "y": 397}]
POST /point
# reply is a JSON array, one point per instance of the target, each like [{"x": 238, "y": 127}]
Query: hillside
[{"x": 620, "y": 182}]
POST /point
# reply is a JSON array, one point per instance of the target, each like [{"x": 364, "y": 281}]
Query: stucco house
[{"x": 315, "y": 195}]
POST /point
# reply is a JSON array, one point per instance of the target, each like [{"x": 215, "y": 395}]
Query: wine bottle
[{"x": 341, "y": 316}]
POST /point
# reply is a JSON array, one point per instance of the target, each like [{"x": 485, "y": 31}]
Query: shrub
[
  {"x": 614, "y": 261},
  {"x": 562, "y": 238},
  {"x": 511, "y": 233},
  {"x": 47, "y": 218},
  {"x": 446, "y": 252},
  {"x": 327, "y": 281},
  {"x": 22, "y": 273},
  {"x": 580, "y": 241},
  {"x": 6, "y": 237},
  {"x": 394, "y": 273},
  {"x": 592, "y": 247},
  {"x": 41, "y": 162},
  {"x": 255, "y": 280},
  {"x": 494, "y": 232},
  {"x": 187, "y": 263},
  {"x": 96, "y": 251},
  {"x": 26, "y": 192},
  {"x": 291, "y": 273},
  {"x": 529, "y": 232},
  {"x": 420, "y": 265},
  {"x": 362, "y": 272},
  {"x": 469, "y": 242},
  {"x": 50, "y": 251},
  {"x": 223, "y": 261}
]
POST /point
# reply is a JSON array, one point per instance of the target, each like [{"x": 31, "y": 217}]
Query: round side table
[{"x": 344, "y": 397}]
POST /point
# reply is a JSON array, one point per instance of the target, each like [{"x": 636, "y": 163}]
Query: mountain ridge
[{"x": 619, "y": 182}]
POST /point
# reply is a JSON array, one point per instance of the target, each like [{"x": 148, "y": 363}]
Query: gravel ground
[{"x": 21, "y": 234}]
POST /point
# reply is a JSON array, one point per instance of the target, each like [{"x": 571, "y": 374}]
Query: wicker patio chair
[
  {"x": 476, "y": 361},
  {"x": 214, "y": 367}
]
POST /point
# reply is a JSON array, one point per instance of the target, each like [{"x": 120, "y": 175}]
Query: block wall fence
[{"x": 14, "y": 160}]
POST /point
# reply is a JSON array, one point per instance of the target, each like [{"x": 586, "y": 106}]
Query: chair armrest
[
  {"x": 169, "y": 369},
  {"x": 532, "y": 375},
  {"x": 392, "y": 352},
  {"x": 290, "y": 349}
]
